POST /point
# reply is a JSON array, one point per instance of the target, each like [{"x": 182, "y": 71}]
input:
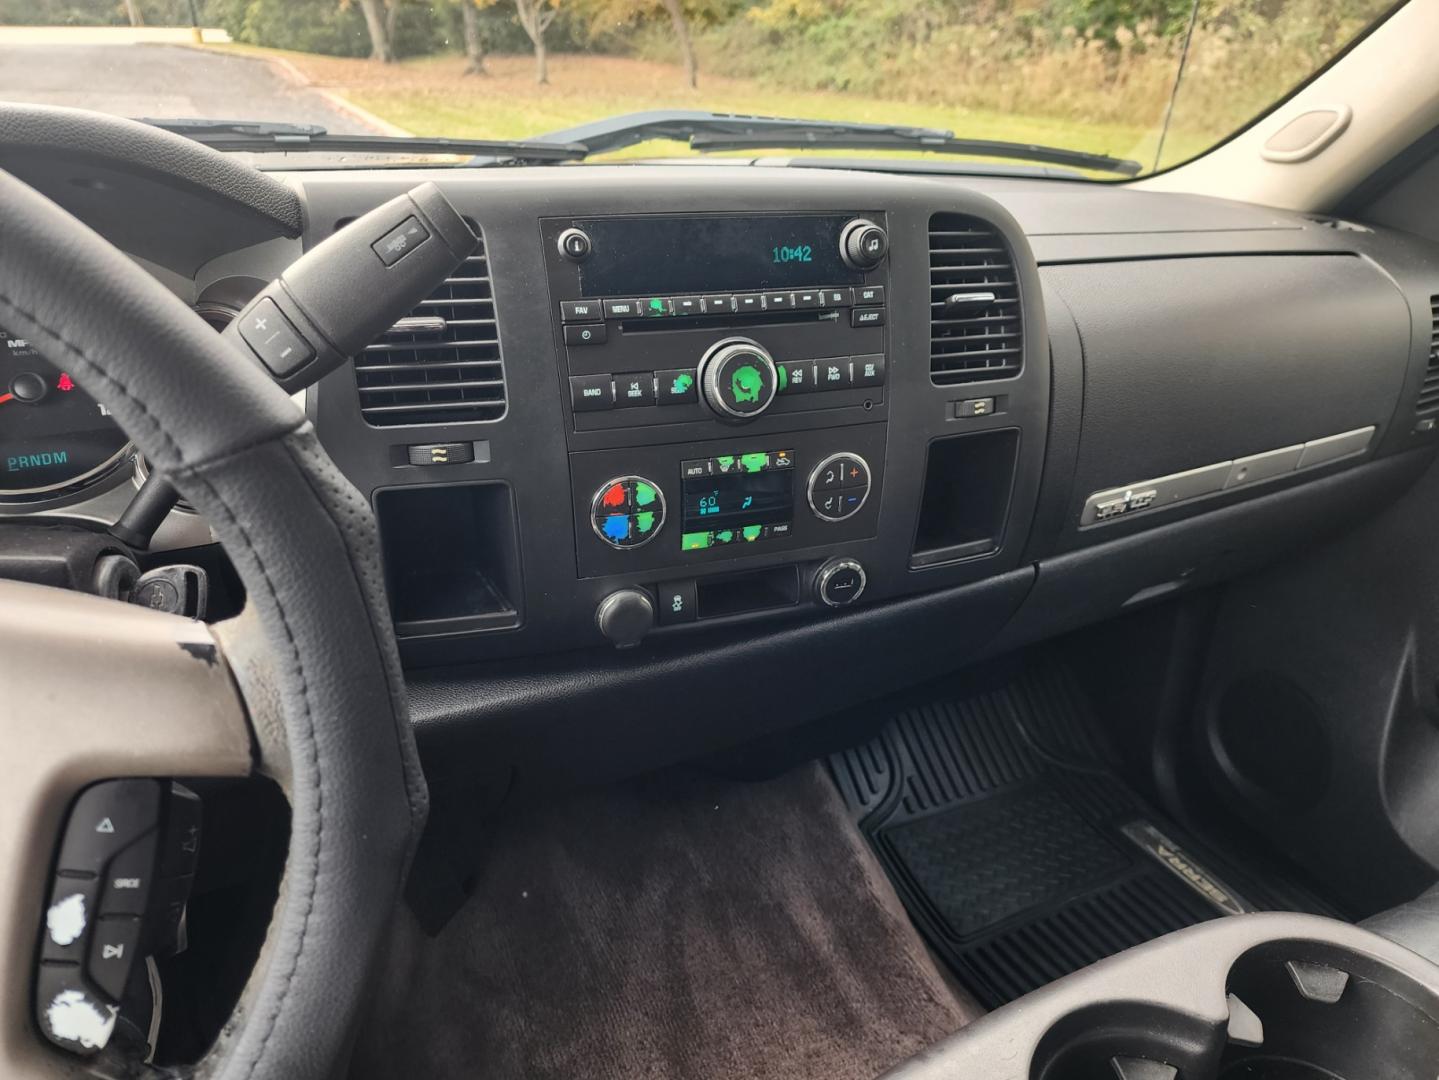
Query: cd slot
[{"x": 730, "y": 321}]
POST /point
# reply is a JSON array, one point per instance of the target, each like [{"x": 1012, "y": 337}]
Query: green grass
[{"x": 430, "y": 96}]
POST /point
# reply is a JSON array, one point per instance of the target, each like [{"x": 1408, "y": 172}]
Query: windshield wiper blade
[
  {"x": 709, "y": 132},
  {"x": 261, "y": 136}
]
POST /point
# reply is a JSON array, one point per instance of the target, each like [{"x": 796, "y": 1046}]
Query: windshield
[{"x": 1137, "y": 85}]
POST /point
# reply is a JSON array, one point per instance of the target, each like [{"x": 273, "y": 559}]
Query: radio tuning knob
[
  {"x": 738, "y": 378},
  {"x": 863, "y": 244}
]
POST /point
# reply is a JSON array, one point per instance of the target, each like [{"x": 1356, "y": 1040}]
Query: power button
[{"x": 575, "y": 245}]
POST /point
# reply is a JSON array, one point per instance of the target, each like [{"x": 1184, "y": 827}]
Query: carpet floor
[{"x": 677, "y": 927}]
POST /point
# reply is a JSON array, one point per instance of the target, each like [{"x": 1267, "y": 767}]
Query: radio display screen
[
  {"x": 736, "y": 499},
  {"x": 636, "y": 256}
]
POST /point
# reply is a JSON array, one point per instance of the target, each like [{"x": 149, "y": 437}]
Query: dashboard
[{"x": 820, "y": 430}]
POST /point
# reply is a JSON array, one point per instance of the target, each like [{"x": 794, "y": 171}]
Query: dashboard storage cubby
[
  {"x": 967, "y": 484},
  {"x": 452, "y": 557}
]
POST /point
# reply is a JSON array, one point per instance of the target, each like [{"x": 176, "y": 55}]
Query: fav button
[{"x": 580, "y": 311}]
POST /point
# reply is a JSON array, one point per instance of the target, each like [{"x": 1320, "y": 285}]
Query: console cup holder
[{"x": 1298, "y": 1010}]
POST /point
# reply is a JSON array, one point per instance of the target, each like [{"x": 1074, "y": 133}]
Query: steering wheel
[{"x": 304, "y": 686}]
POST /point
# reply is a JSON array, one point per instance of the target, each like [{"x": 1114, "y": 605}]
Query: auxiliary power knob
[
  {"x": 738, "y": 378},
  {"x": 626, "y": 616},
  {"x": 839, "y": 582},
  {"x": 863, "y": 244}
]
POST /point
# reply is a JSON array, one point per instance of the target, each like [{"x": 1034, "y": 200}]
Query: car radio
[
  {"x": 725, "y": 378},
  {"x": 667, "y": 320}
]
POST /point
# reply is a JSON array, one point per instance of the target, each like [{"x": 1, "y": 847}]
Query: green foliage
[
  {"x": 1109, "y": 20},
  {"x": 327, "y": 27},
  {"x": 91, "y": 13}
]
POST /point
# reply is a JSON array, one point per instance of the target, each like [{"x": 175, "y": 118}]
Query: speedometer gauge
[{"x": 54, "y": 437}]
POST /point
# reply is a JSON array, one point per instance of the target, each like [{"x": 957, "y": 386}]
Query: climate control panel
[{"x": 709, "y": 503}]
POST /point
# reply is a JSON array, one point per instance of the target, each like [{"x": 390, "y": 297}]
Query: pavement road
[{"x": 145, "y": 77}]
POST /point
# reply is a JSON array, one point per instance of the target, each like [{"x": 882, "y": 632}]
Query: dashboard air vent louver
[
  {"x": 441, "y": 363},
  {"x": 975, "y": 327},
  {"x": 1429, "y": 392}
]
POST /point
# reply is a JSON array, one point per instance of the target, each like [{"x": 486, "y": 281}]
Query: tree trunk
[
  {"x": 687, "y": 46},
  {"x": 392, "y": 20},
  {"x": 535, "y": 17},
  {"x": 132, "y": 8},
  {"x": 380, "y": 48},
  {"x": 474, "y": 44}
]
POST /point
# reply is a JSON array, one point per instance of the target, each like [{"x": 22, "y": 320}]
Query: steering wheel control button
[
  {"x": 839, "y": 582},
  {"x": 625, "y": 617},
  {"x": 628, "y": 512},
  {"x": 863, "y": 244},
  {"x": 739, "y": 378},
  {"x": 592, "y": 393},
  {"x": 274, "y": 340},
  {"x": 679, "y": 386},
  {"x": 107, "y": 818},
  {"x": 678, "y": 601},
  {"x": 575, "y": 245},
  {"x": 838, "y": 486},
  {"x": 112, "y": 953},
  {"x": 400, "y": 241},
  {"x": 445, "y": 453},
  {"x": 73, "y": 909},
  {"x": 127, "y": 880},
  {"x": 70, "y": 1014},
  {"x": 180, "y": 851}
]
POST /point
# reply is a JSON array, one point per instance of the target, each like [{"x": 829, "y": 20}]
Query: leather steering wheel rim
[{"x": 305, "y": 545}]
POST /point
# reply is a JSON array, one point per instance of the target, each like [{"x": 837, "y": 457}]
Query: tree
[
  {"x": 687, "y": 46},
  {"x": 474, "y": 41},
  {"x": 132, "y": 8},
  {"x": 535, "y": 17},
  {"x": 380, "y": 47}
]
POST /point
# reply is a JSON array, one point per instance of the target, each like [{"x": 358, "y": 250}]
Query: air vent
[
  {"x": 441, "y": 363},
  {"x": 975, "y": 330},
  {"x": 1429, "y": 392}
]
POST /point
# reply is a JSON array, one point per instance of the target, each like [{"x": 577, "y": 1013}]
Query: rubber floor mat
[{"x": 1018, "y": 851}]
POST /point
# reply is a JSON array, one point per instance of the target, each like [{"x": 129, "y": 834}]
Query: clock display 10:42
[{"x": 798, "y": 253}]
